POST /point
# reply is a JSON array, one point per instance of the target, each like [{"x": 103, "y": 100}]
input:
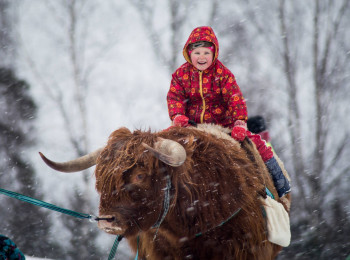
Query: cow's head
[{"x": 131, "y": 176}]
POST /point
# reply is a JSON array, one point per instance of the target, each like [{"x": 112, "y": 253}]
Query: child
[
  {"x": 203, "y": 90},
  {"x": 256, "y": 125}
]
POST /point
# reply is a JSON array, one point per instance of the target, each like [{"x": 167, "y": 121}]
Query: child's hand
[
  {"x": 239, "y": 131},
  {"x": 181, "y": 120}
]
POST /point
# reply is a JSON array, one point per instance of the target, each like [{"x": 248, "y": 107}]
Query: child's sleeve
[
  {"x": 237, "y": 108},
  {"x": 176, "y": 97}
]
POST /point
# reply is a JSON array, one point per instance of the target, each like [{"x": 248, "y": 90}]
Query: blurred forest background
[{"x": 73, "y": 71}]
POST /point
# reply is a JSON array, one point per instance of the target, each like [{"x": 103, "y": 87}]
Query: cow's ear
[
  {"x": 119, "y": 136},
  {"x": 188, "y": 140}
]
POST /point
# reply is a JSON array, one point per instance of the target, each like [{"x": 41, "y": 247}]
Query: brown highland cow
[{"x": 183, "y": 193}]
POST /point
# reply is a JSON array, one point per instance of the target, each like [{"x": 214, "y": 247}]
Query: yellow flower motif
[
  {"x": 230, "y": 80},
  {"x": 217, "y": 91},
  {"x": 193, "y": 90},
  {"x": 235, "y": 98},
  {"x": 224, "y": 91},
  {"x": 178, "y": 104},
  {"x": 205, "y": 90},
  {"x": 218, "y": 111},
  {"x": 219, "y": 71},
  {"x": 207, "y": 116},
  {"x": 185, "y": 76},
  {"x": 173, "y": 89},
  {"x": 205, "y": 80}
]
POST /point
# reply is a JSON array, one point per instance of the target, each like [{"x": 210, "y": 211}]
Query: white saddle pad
[{"x": 278, "y": 225}]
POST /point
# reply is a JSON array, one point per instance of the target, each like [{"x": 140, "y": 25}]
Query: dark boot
[{"x": 281, "y": 183}]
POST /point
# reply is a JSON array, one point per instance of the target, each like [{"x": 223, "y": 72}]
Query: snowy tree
[
  {"x": 65, "y": 79},
  {"x": 26, "y": 224},
  {"x": 7, "y": 44},
  {"x": 300, "y": 37},
  {"x": 20, "y": 221},
  {"x": 290, "y": 58},
  {"x": 178, "y": 19}
]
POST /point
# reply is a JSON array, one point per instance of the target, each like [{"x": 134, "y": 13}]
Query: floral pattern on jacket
[{"x": 209, "y": 96}]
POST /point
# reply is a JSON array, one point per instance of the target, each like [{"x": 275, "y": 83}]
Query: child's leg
[{"x": 280, "y": 181}]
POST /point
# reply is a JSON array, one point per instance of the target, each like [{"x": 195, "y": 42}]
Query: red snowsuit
[
  {"x": 213, "y": 96},
  {"x": 210, "y": 96}
]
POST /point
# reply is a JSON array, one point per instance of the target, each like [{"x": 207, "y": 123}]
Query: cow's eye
[{"x": 138, "y": 178}]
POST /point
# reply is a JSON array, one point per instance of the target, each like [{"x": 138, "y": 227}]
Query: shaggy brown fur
[{"x": 217, "y": 179}]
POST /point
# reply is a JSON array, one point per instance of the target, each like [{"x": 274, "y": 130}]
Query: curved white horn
[
  {"x": 75, "y": 165},
  {"x": 168, "y": 151}
]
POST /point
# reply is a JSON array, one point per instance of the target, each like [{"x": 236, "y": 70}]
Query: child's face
[{"x": 202, "y": 58}]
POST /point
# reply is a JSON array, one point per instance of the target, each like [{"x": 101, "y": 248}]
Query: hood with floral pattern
[{"x": 199, "y": 34}]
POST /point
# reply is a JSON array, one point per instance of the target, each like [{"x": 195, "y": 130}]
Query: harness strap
[
  {"x": 166, "y": 206},
  {"x": 222, "y": 223}
]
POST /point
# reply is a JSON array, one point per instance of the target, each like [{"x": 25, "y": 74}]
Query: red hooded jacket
[{"x": 210, "y": 96}]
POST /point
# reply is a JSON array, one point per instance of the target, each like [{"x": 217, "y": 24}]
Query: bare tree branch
[
  {"x": 342, "y": 176},
  {"x": 178, "y": 13},
  {"x": 294, "y": 114},
  {"x": 332, "y": 33},
  {"x": 58, "y": 99},
  {"x": 344, "y": 143}
]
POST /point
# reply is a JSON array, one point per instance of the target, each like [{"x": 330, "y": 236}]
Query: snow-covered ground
[{"x": 34, "y": 258}]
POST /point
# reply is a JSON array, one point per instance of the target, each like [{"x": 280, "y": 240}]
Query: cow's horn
[
  {"x": 76, "y": 165},
  {"x": 168, "y": 151}
]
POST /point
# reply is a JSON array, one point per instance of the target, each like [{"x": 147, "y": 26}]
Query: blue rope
[
  {"x": 72, "y": 213},
  {"x": 269, "y": 193},
  {"x": 137, "y": 253},
  {"x": 45, "y": 204},
  {"x": 114, "y": 247}
]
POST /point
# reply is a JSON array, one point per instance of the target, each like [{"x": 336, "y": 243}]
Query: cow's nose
[
  {"x": 105, "y": 221},
  {"x": 108, "y": 219}
]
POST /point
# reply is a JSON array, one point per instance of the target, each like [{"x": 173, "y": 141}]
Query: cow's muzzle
[{"x": 109, "y": 224}]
